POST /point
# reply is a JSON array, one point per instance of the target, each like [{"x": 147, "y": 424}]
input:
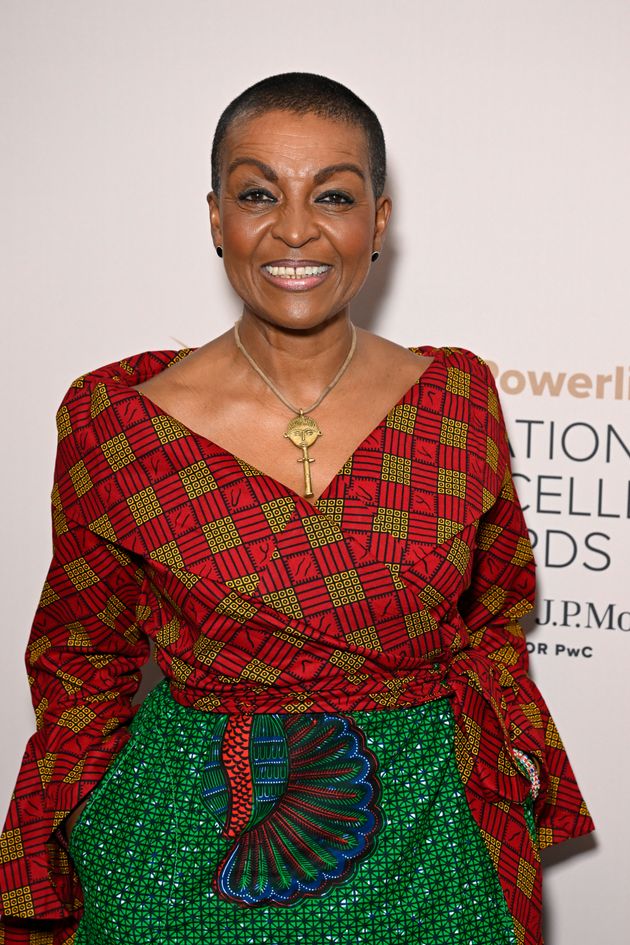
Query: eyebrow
[
  {"x": 265, "y": 170},
  {"x": 319, "y": 178},
  {"x": 327, "y": 172}
]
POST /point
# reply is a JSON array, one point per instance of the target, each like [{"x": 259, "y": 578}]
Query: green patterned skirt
[{"x": 338, "y": 829}]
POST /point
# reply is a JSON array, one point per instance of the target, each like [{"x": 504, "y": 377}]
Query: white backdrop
[{"x": 508, "y": 127}]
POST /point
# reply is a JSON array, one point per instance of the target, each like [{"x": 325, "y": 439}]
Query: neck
[{"x": 299, "y": 361}]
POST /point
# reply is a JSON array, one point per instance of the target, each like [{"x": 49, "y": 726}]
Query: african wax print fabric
[
  {"x": 403, "y": 584},
  {"x": 156, "y": 866}
]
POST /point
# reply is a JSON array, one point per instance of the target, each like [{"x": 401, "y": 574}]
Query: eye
[
  {"x": 335, "y": 197},
  {"x": 256, "y": 195}
]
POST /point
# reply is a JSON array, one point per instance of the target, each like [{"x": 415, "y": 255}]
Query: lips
[{"x": 294, "y": 274}]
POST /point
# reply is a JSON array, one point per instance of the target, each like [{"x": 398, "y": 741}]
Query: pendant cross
[{"x": 303, "y": 431}]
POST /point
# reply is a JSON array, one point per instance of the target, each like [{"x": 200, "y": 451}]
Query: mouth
[
  {"x": 294, "y": 275},
  {"x": 296, "y": 272}
]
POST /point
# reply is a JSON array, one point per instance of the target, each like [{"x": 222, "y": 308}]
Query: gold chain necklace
[{"x": 302, "y": 429}]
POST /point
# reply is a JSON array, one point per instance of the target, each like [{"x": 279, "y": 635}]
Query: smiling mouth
[{"x": 296, "y": 272}]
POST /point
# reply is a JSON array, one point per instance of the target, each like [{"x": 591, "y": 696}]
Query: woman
[{"x": 318, "y": 531}]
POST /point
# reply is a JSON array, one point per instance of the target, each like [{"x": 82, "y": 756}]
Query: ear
[
  {"x": 215, "y": 218},
  {"x": 381, "y": 221}
]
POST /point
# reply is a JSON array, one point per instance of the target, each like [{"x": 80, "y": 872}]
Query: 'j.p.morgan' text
[{"x": 588, "y": 615}]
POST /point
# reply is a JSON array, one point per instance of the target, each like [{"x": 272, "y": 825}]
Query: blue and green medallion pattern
[{"x": 306, "y": 804}]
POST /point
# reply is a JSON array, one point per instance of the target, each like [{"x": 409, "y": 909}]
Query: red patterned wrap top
[{"x": 404, "y": 583}]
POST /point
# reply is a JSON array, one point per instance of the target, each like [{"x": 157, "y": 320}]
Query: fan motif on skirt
[{"x": 300, "y": 797}]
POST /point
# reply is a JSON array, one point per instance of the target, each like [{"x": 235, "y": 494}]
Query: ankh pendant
[{"x": 303, "y": 431}]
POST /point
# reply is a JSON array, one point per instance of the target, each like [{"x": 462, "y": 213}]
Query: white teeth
[{"x": 295, "y": 272}]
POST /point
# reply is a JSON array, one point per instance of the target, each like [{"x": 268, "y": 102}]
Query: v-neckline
[{"x": 280, "y": 485}]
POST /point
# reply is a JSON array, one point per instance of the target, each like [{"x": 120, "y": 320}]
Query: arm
[
  {"x": 501, "y": 591},
  {"x": 502, "y": 588},
  {"x": 83, "y": 660}
]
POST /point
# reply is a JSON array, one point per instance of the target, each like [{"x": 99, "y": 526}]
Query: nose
[{"x": 295, "y": 224}]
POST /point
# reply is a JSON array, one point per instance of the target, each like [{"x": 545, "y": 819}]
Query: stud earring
[
  {"x": 219, "y": 250},
  {"x": 375, "y": 256}
]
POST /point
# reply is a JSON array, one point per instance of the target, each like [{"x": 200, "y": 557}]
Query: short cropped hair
[{"x": 304, "y": 92}]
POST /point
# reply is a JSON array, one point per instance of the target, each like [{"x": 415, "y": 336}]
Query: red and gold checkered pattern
[{"x": 404, "y": 584}]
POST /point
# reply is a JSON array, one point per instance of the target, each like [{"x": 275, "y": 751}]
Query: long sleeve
[
  {"x": 501, "y": 591},
  {"x": 83, "y": 660},
  {"x": 502, "y": 588}
]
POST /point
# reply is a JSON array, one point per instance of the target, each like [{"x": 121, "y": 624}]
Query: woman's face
[{"x": 296, "y": 216}]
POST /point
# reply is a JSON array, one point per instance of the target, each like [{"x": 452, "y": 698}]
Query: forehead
[{"x": 295, "y": 141}]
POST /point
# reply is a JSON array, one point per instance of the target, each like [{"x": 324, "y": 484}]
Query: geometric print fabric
[{"x": 403, "y": 584}]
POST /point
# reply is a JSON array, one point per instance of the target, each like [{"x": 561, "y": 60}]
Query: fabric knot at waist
[
  {"x": 493, "y": 721},
  {"x": 486, "y": 698}
]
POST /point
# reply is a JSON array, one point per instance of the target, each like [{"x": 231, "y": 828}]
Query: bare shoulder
[
  {"x": 384, "y": 356},
  {"x": 178, "y": 388}
]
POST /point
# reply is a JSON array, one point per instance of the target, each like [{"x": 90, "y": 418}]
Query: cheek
[
  {"x": 241, "y": 234},
  {"x": 353, "y": 239}
]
